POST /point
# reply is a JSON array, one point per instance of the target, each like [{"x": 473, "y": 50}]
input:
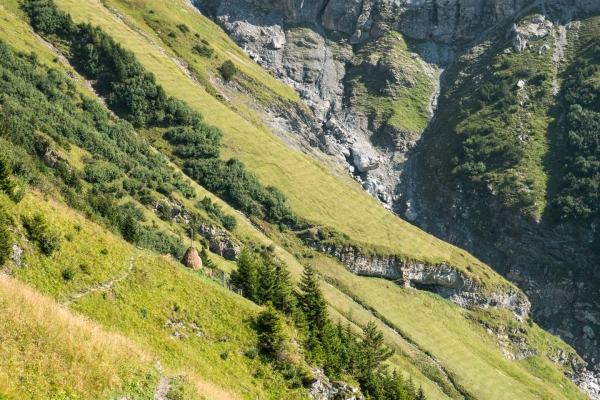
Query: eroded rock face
[
  {"x": 442, "y": 279},
  {"x": 220, "y": 242},
  {"x": 322, "y": 389}
]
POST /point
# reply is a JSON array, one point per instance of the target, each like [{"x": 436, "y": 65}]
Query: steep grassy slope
[
  {"x": 157, "y": 299},
  {"x": 314, "y": 192},
  {"x": 47, "y": 351},
  {"x": 175, "y": 314},
  {"x": 498, "y": 119}
]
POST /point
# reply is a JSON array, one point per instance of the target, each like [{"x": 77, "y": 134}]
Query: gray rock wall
[{"x": 442, "y": 279}]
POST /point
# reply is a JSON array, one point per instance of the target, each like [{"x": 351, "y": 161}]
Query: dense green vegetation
[
  {"x": 133, "y": 94},
  {"x": 214, "y": 211},
  {"x": 579, "y": 196},
  {"x": 337, "y": 349},
  {"x": 502, "y": 131},
  {"x": 42, "y": 113}
]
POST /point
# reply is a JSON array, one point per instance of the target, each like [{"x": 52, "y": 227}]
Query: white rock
[
  {"x": 364, "y": 157},
  {"x": 370, "y": 186},
  {"x": 521, "y": 84},
  {"x": 507, "y": 51},
  {"x": 538, "y": 19},
  {"x": 278, "y": 42},
  {"x": 331, "y": 122}
]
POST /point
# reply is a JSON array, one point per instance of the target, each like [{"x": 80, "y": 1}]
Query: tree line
[{"x": 339, "y": 350}]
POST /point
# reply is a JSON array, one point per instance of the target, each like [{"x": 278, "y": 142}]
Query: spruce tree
[
  {"x": 311, "y": 300},
  {"x": 323, "y": 342},
  {"x": 5, "y": 239},
  {"x": 283, "y": 297},
  {"x": 373, "y": 351},
  {"x": 6, "y": 183},
  {"x": 420, "y": 394},
  {"x": 130, "y": 229},
  {"x": 266, "y": 280},
  {"x": 271, "y": 333},
  {"x": 246, "y": 275}
]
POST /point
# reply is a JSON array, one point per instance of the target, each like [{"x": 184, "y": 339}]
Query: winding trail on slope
[{"x": 105, "y": 287}]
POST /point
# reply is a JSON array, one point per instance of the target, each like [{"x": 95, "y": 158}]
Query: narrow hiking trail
[{"x": 105, "y": 287}]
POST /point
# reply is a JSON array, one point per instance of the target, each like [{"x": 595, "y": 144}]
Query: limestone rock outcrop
[{"x": 442, "y": 279}]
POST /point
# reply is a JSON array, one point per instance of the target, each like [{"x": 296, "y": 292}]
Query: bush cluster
[
  {"x": 133, "y": 94},
  {"x": 579, "y": 196},
  {"x": 39, "y": 232},
  {"x": 215, "y": 212}
]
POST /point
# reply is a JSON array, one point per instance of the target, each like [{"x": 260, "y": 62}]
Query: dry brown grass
[{"x": 47, "y": 351}]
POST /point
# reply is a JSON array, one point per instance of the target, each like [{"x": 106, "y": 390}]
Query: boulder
[
  {"x": 364, "y": 157},
  {"x": 278, "y": 42}
]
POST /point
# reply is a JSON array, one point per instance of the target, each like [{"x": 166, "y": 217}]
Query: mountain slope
[{"x": 154, "y": 285}]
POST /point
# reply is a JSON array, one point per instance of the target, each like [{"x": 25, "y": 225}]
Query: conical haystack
[{"x": 191, "y": 259}]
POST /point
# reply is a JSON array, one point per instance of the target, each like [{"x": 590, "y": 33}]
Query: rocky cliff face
[{"x": 442, "y": 279}]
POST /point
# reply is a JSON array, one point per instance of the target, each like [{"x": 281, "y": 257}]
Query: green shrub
[
  {"x": 5, "y": 239},
  {"x": 229, "y": 222},
  {"x": 183, "y": 28},
  {"x": 68, "y": 273},
  {"x": 49, "y": 243},
  {"x": 228, "y": 70},
  {"x": 203, "y": 50},
  {"x": 85, "y": 268}
]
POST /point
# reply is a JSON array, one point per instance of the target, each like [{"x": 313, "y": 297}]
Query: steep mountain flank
[
  {"x": 371, "y": 72},
  {"x": 93, "y": 180}
]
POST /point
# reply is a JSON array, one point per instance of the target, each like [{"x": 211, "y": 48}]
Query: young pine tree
[
  {"x": 5, "y": 239},
  {"x": 130, "y": 229},
  {"x": 323, "y": 342},
  {"x": 271, "y": 333},
  {"x": 245, "y": 276},
  {"x": 266, "y": 280},
  {"x": 7, "y": 185},
  {"x": 374, "y": 353},
  {"x": 284, "y": 298},
  {"x": 311, "y": 300}
]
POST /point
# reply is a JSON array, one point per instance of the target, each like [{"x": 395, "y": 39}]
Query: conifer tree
[
  {"x": 420, "y": 394},
  {"x": 311, "y": 300},
  {"x": 410, "y": 388},
  {"x": 271, "y": 333},
  {"x": 246, "y": 275},
  {"x": 130, "y": 229},
  {"x": 5, "y": 239},
  {"x": 323, "y": 342},
  {"x": 374, "y": 352},
  {"x": 266, "y": 280},
  {"x": 6, "y": 183},
  {"x": 283, "y": 297}
]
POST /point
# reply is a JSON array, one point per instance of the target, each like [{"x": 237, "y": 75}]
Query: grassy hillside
[
  {"x": 201, "y": 331},
  {"x": 314, "y": 191},
  {"x": 49, "y": 352}
]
